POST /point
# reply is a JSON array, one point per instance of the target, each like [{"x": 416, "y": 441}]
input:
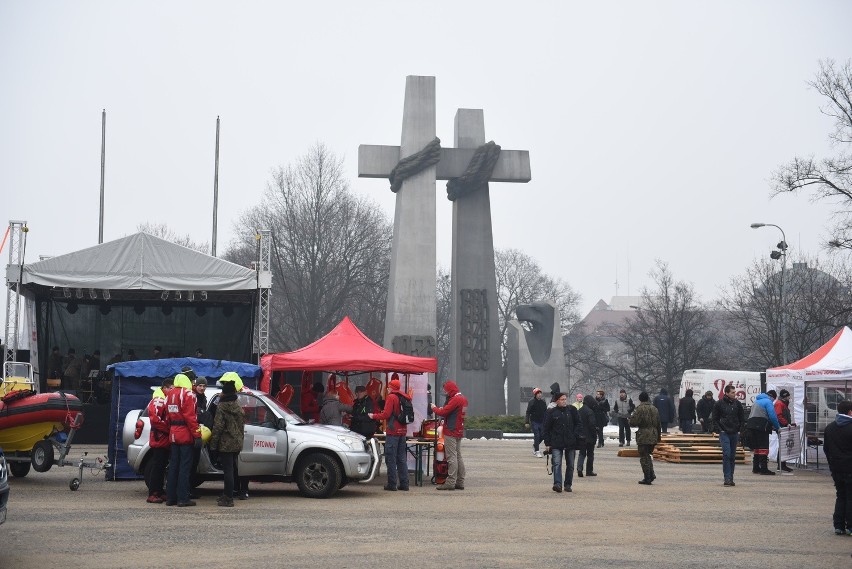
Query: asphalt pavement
[{"x": 507, "y": 516}]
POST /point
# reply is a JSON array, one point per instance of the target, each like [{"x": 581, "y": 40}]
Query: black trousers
[{"x": 587, "y": 455}]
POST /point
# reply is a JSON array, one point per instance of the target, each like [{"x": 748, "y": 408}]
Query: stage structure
[{"x": 126, "y": 296}]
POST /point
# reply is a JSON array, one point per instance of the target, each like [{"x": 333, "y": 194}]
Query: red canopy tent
[{"x": 345, "y": 349}]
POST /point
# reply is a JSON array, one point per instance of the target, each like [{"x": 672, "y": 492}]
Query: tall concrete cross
[
  {"x": 475, "y": 361},
  {"x": 411, "y": 311}
]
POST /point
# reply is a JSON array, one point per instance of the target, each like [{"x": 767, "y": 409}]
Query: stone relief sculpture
[{"x": 535, "y": 357}]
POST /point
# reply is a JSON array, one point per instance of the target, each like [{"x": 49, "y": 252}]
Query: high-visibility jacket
[{"x": 159, "y": 435}]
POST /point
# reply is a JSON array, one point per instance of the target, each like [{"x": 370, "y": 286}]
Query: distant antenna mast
[
  {"x": 616, "y": 274},
  {"x": 215, "y": 190},
  {"x": 103, "y": 164}
]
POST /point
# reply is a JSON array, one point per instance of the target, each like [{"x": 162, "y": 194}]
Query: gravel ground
[{"x": 507, "y": 516}]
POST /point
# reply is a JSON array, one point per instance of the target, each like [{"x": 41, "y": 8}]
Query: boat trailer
[{"x": 44, "y": 455}]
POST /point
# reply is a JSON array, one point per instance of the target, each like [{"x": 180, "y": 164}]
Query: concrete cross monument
[
  {"x": 475, "y": 361},
  {"x": 413, "y": 168}
]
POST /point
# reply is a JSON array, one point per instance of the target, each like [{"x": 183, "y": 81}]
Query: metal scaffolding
[
  {"x": 17, "y": 247},
  {"x": 264, "y": 284}
]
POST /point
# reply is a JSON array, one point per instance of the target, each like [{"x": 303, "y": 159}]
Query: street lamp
[{"x": 781, "y": 253}]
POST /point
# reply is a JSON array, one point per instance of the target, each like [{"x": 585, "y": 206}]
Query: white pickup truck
[{"x": 278, "y": 446}]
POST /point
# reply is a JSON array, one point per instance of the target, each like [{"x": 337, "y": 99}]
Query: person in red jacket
[
  {"x": 183, "y": 436},
  {"x": 395, "y": 432},
  {"x": 782, "y": 410},
  {"x": 453, "y": 412},
  {"x": 158, "y": 440}
]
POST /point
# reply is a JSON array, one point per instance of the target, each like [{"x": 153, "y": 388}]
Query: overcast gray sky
[{"x": 652, "y": 127}]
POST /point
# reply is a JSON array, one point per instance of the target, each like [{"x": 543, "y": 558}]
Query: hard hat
[
  {"x": 232, "y": 376},
  {"x": 205, "y": 433}
]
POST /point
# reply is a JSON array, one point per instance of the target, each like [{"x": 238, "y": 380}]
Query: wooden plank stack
[
  {"x": 688, "y": 449},
  {"x": 694, "y": 449}
]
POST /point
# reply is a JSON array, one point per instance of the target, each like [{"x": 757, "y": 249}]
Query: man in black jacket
[
  {"x": 704, "y": 410},
  {"x": 535, "y": 419},
  {"x": 728, "y": 418},
  {"x": 590, "y": 430},
  {"x": 562, "y": 431},
  {"x": 665, "y": 407},
  {"x": 361, "y": 408},
  {"x": 686, "y": 412},
  {"x": 838, "y": 450},
  {"x": 601, "y": 415}
]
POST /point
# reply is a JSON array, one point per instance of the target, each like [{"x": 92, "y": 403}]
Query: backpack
[{"x": 406, "y": 410}]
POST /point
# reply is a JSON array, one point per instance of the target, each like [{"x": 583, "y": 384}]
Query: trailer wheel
[
  {"x": 318, "y": 476},
  {"x": 42, "y": 456},
  {"x": 19, "y": 469},
  {"x": 74, "y": 484}
]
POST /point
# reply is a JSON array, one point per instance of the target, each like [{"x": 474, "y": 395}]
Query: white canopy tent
[
  {"x": 139, "y": 262},
  {"x": 828, "y": 366}
]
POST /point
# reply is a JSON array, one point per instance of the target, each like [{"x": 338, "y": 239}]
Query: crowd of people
[
  {"x": 72, "y": 368},
  {"x": 179, "y": 417}
]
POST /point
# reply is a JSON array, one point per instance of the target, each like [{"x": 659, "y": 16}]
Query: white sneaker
[{"x": 538, "y": 454}]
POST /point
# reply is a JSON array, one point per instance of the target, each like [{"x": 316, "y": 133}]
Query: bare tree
[
  {"x": 520, "y": 280},
  {"x": 671, "y": 332},
  {"x": 829, "y": 178},
  {"x": 444, "y": 314},
  {"x": 816, "y": 303},
  {"x": 330, "y": 253},
  {"x": 163, "y": 231}
]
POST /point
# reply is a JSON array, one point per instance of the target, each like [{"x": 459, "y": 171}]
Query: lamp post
[{"x": 781, "y": 253}]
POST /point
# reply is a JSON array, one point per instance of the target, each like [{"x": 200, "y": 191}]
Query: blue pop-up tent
[{"x": 131, "y": 389}]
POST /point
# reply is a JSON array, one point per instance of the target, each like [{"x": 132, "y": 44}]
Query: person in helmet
[
  {"x": 183, "y": 434},
  {"x": 158, "y": 441},
  {"x": 534, "y": 418},
  {"x": 241, "y": 483},
  {"x": 226, "y": 439}
]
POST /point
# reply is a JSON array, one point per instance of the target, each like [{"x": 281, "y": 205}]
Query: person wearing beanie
[
  {"x": 587, "y": 447},
  {"x": 534, "y": 418},
  {"x": 395, "y": 432},
  {"x": 226, "y": 439},
  {"x": 704, "y": 411},
  {"x": 183, "y": 434},
  {"x": 453, "y": 412},
  {"x": 647, "y": 420},
  {"x": 785, "y": 419}
]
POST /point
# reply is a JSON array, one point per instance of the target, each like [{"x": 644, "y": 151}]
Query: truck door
[{"x": 264, "y": 445}]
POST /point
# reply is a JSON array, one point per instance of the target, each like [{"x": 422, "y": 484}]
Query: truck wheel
[
  {"x": 19, "y": 469},
  {"x": 318, "y": 476},
  {"x": 42, "y": 456}
]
